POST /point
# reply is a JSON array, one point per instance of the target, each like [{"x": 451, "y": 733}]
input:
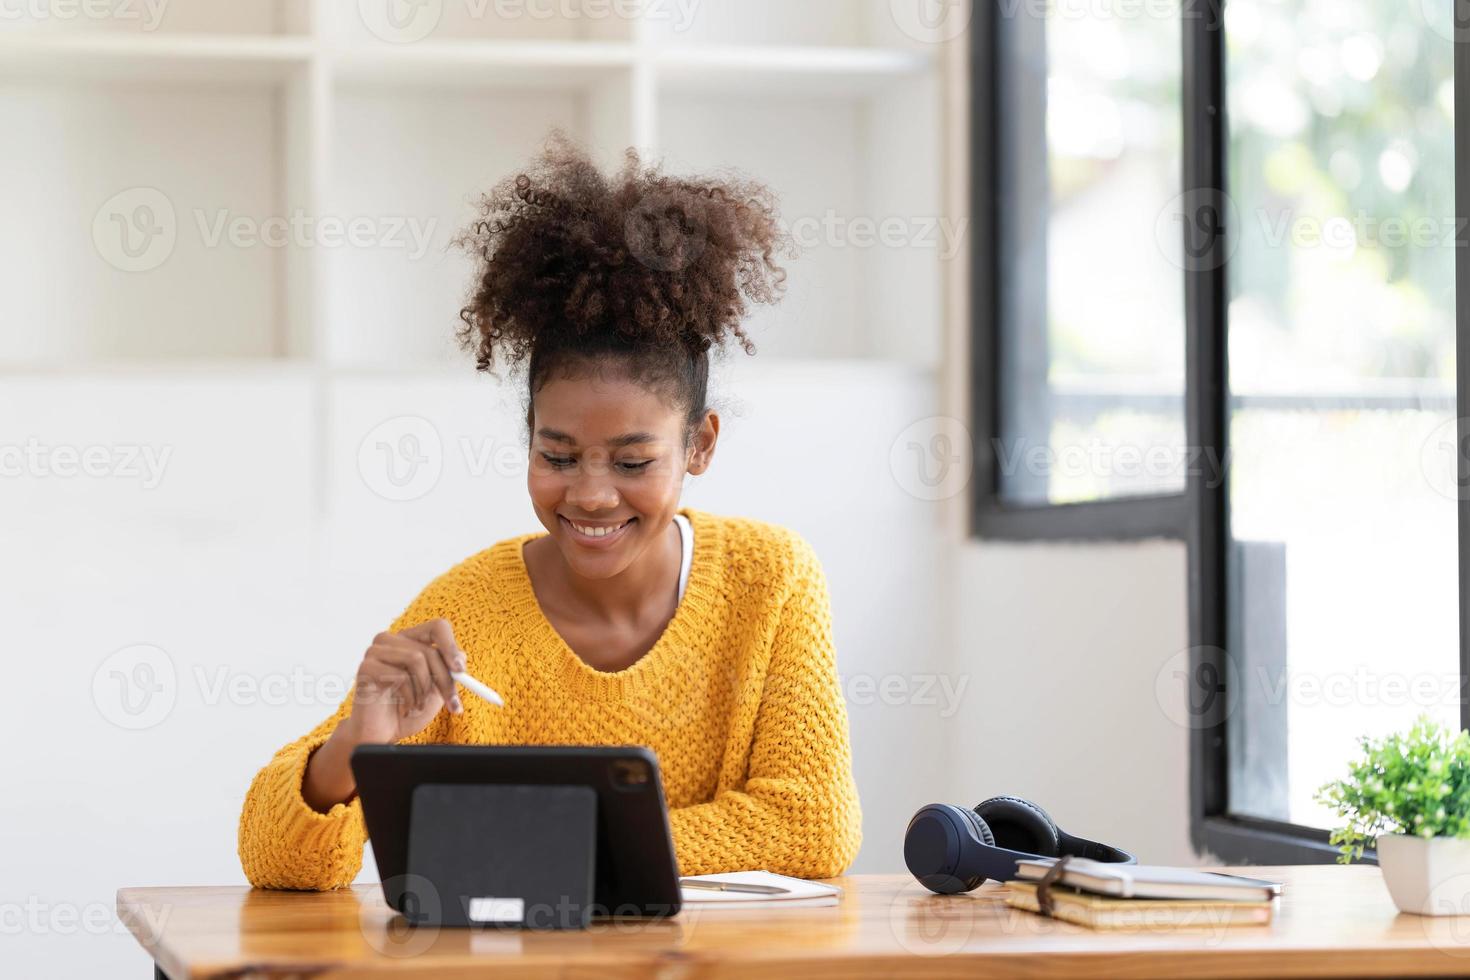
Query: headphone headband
[{"x": 1093, "y": 850}]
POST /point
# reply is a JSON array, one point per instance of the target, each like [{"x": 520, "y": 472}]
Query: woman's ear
[{"x": 702, "y": 446}]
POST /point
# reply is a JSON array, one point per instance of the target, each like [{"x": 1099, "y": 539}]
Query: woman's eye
[{"x": 562, "y": 462}]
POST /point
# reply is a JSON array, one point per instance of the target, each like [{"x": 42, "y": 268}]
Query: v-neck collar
[{"x": 679, "y": 639}]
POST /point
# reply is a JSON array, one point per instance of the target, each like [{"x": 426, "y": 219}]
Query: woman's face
[{"x": 607, "y": 465}]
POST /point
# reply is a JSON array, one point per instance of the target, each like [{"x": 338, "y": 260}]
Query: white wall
[
  {"x": 256, "y": 562},
  {"x": 1068, "y": 641}
]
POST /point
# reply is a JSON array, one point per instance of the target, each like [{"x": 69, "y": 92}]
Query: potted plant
[{"x": 1411, "y": 793}]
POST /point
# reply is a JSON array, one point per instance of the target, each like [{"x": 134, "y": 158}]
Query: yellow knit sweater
[{"x": 738, "y": 698}]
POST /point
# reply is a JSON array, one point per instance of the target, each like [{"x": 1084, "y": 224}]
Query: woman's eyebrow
[{"x": 627, "y": 439}]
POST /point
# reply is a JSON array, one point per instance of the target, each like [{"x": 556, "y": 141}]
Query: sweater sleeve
[
  {"x": 283, "y": 842},
  {"x": 797, "y": 813}
]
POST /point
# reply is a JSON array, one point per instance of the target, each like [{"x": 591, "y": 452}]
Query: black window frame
[
  {"x": 1200, "y": 515},
  {"x": 992, "y": 516}
]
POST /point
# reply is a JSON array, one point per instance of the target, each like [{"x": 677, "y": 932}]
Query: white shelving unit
[{"x": 320, "y": 111}]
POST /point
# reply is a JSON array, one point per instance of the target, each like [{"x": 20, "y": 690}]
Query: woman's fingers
[
  {"x": 446, "y": 656},
  {"x": 439, "y": 673},
  {"x": 379, "y": 678},
  {"x": 410, "y": 666},
  {"x": 440, "y": 635},
  {"x": 410, "y": 659}
]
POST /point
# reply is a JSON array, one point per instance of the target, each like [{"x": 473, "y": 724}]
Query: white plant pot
[{"x": 1426, "y": 875}]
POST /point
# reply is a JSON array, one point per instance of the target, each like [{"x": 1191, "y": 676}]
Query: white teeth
[{"x": 597, "y": 532}]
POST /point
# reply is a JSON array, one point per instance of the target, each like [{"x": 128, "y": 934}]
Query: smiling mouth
[{"x": 597, "y": 533}]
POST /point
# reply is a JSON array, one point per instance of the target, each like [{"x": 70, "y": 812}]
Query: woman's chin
[{"x": 594, "y": 563}]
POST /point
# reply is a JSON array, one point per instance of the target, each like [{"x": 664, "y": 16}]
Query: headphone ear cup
[
  {"x": 1019, "y": 825},
  {"x": 982, "y": 829}
]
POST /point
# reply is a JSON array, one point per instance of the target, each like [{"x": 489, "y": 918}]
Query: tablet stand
[{"x": 501, "y": 855}]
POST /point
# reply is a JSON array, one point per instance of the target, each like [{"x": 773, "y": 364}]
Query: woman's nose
[{"x": 592, "y": 492}]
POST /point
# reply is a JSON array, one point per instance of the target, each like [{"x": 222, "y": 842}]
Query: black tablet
[{"x": 636, "y": 873}]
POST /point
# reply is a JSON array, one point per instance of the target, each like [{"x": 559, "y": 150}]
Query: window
[
  {"x": 1090, "y": 131},
  {"x": 1084, "y": 290},
  {"x": 1298, "y": 354},
  {"x": 1342, "y": 555}
]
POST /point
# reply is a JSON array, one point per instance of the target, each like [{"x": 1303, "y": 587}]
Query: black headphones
[{"x": 951, "y": 849}]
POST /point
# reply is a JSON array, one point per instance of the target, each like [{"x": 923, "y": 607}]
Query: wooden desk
[{"x": 1335, "y": 921}]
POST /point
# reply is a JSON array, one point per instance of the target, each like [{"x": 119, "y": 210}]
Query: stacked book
[{"x": 1139, "y": 896}]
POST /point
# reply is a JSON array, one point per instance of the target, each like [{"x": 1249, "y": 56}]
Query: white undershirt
[{"x": 686, "y": 537}]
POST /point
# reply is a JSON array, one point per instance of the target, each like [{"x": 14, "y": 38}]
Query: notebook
[
  {"x": 1099, "y": 912},
  {"x": 1152, "y": 881},
  {"x": 800, "y": 892}
]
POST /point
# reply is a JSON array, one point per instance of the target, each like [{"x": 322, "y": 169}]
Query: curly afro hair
[{"x": 575, "y": 267}]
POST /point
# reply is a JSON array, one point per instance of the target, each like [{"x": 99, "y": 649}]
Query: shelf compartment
[
  {"x": 844, "y": 168},
  {"x": 433, "y": 152},
  {"x": 113, "y": 196}
]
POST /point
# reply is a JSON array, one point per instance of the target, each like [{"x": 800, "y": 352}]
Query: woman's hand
[{"x": 402, "y": 683}]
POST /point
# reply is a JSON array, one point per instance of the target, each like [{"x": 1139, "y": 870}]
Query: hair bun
[{"x": 568, "y": 256}]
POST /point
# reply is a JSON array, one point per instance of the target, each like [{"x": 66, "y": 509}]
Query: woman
[{"x": 630, "y": 620}]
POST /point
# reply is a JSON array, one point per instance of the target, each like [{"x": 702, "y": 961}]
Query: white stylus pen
[{"x": 475, "y": 687}]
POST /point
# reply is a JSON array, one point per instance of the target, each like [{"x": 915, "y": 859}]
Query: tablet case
[
  {"x": 501, "y": 855},
  {"x": 637, "y": 873}
]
